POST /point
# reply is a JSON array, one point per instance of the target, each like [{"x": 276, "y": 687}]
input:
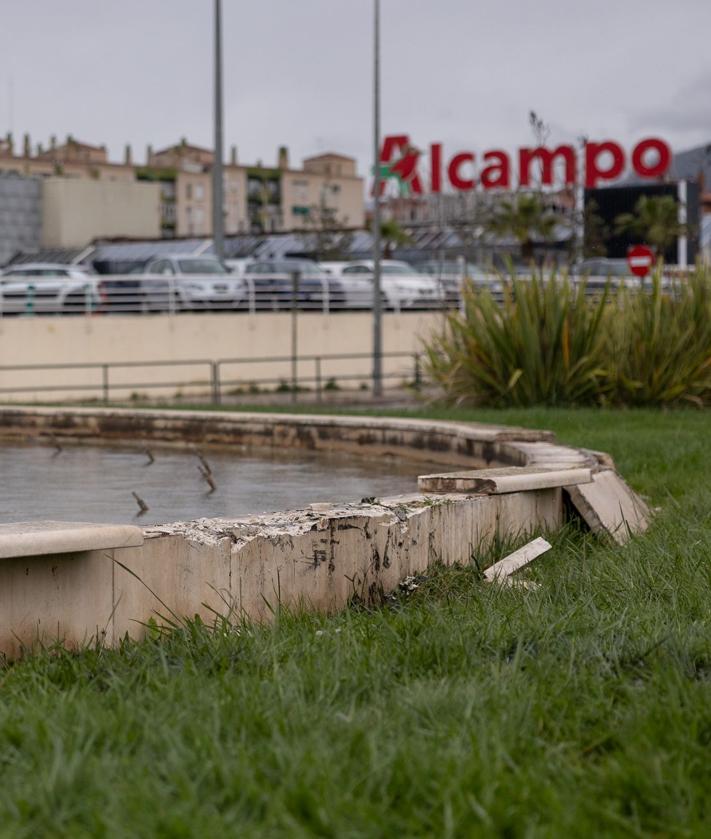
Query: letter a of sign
[{"x": 399, "y": 160}]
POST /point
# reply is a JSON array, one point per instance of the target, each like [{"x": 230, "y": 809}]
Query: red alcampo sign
[{"x": 602, "y": 161}]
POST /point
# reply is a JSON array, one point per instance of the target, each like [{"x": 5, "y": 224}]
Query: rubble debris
[
  {"x": 207, "y": 477},
  {"x": 57, "y": 445},
  {"x": 512, "y": 582},
  {"x": 609, "y": 507},
  {"x": 504, "y": 568},
  {"x": 142, "y": 506},
  {"x": 203, "y": 461},
  {"x": 408, "y": 585}
]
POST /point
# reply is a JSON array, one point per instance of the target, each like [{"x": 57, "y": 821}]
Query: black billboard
[{"x": 604, "y": 205}]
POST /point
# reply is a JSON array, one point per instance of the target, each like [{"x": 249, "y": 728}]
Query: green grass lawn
[{"x": 583, "y": 708}]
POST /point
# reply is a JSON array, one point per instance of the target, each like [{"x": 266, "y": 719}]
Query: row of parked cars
[
  {"x": 193, "y": 283},
  {"x": 190, "y": 283}
]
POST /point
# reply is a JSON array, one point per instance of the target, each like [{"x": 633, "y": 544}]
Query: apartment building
[
  {"x": 326, "y": 192},
  {"x": 71, "y": 159},
  {"x": 258, "y": 198}
]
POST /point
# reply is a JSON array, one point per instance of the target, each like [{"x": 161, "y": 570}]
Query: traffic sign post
[{"x": 640, "y": 259}]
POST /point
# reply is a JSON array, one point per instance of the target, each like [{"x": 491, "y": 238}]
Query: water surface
[{"x": 93, "y": 483}]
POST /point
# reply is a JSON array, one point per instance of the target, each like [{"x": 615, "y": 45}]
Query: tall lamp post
[
  {"x": 377, "y": 183},
  {"x": 218, "y": 219}
]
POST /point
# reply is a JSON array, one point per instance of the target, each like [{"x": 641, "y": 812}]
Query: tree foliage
[
  {"x": 525, "y": 218},
  {"x": 393, "y": 236},
  {"x": 655, "y": 221}
]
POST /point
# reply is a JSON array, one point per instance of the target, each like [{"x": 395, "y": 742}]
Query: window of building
[
  {"x": 301, "y": 192},
  {"x": 199, "y": 192},
  {"x": 189, "y": 192}
]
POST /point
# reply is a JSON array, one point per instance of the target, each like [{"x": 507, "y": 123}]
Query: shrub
[
  {"x": 544, "y": 344},
  {"x": 659, "y": 343},
  {"x": 549, "y": 344}
]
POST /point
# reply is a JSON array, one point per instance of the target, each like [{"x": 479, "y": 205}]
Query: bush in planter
[
  {"x": 659, "y": 343},
  {"x": 544, "y": 345}
]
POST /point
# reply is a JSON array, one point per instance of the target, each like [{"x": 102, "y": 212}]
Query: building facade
[
  {"x": 20, "y": 215},
  {"x": 258, "y": 198},
  {"x": 75, "y": 211},
  {"x": 326, "y": 192}
]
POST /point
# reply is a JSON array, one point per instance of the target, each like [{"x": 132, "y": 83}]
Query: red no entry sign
[{"x": 640, "y": 258}]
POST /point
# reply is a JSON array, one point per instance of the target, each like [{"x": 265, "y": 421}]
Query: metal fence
[
  {"x": 155, "y": 294},
  {"x": 104, "y": 295},
  {"x": 218, "y": 377}
]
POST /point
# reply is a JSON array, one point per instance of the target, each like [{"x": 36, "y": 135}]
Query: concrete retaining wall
[
  {"x": 116, "y": 338},
  {"x": 314, "y": 559}
]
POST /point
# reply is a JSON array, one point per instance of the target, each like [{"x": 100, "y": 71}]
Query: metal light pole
[
  {"x": 218, "y": 220},
  {"x": 377, "y": 182}
]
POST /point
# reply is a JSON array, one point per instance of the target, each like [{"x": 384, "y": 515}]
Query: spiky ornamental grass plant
[
  {"x": 660, "y": 343},
  {"x": 543, "y": 345},
  {"x": 547, "y": 344}
]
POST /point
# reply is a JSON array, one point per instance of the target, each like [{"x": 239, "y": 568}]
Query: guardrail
[{"x": 215, "y": 382}]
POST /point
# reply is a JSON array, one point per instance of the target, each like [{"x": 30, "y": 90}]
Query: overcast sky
[{"x": 298, "y": 72}]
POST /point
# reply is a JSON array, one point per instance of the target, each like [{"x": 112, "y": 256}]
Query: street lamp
[
  {"x": 377, "y": 183},
  {"x": 218, "y": 219}
]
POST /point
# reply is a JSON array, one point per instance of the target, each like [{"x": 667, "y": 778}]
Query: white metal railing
[
  {"x": 163, "y": 294},
  {"x": 155, "y": 294}
]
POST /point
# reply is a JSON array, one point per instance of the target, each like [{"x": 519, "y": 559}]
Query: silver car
[
  {"x": 47, "y": 288},
  {"x": 402, "y": 286},
  {"x": 193, "y": 282}
]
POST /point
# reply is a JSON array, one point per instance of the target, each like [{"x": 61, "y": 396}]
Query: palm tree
[
  {"x": 393, "y": 236},
  {"x": 526, "y": 219},
  {"x": 655, "y": 221}
]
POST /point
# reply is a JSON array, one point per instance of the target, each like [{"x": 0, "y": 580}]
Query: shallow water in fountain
[{"x": 95, "y": 484}]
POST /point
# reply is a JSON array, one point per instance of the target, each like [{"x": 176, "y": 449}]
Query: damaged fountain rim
[{"x": 76, "y": 582}]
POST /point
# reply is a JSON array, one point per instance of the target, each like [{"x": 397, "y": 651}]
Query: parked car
[
  {"x": 357, "y": 286},
  {"x": 238, "y": 266},
  {"x": 403, "y": 287},
  {"x": 47, "y": 288},
  {"x": 271, "y": 282},
  {"x": 452, "y": 274},
  {"x": 190, "y": 283}
]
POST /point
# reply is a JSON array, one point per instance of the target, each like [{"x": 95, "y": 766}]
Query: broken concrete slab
[
  {"x": 502, "y": 480},
  {"x": 39, "y": 538},
  {"x": 518, "y": 559},
  {"x": 609, "y": 507}
]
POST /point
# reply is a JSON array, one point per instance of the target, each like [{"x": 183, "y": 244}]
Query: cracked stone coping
[
  {"x": 315, "y": 517},
  {"x": 39, "y": 538},
  {"x": 507, "y": 479}
]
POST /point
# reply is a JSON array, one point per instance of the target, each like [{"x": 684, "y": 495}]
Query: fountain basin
[{"x": 316, "y": 557}]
